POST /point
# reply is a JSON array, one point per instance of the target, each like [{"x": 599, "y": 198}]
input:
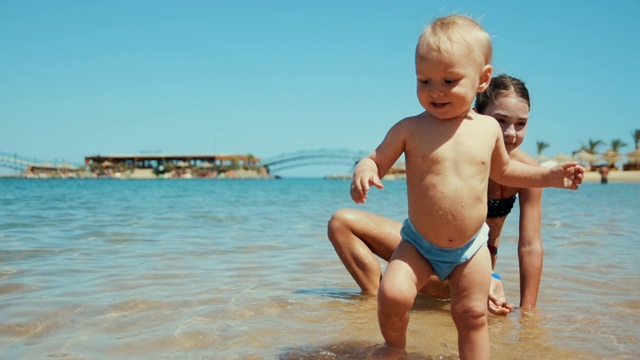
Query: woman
[{"x": 357, "y": 236}]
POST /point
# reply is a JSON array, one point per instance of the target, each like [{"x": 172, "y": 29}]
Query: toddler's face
[
  {"x": 512, "y": 113},
  {"x": 448, "y": 80}
]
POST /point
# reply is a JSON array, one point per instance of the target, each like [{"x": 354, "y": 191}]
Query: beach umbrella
[
  {"x": 561, "y": 157},
  {"x": 634, "y": 156},
  {"x": 611, "y": 157},
  {"x": 585, "y": 156}
]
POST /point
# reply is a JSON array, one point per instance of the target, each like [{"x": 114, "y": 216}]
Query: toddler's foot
[{"x": 385, "y": 352}]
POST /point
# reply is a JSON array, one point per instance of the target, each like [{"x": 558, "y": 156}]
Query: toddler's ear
[{"x": 485, "y": 78}]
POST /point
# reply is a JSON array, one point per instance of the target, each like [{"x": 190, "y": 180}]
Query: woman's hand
[{"x": 497, "y": 302}]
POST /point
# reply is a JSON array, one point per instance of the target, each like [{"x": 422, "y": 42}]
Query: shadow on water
[
  {"x": 333, "y": 292},
  {"x": 425, "y": 303},
  {"x": 352, "y": 350},
  {"x": 422, "y": 303}
]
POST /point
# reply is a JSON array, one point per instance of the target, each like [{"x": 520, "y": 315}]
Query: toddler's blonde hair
[{"x": 443, "y": 32}]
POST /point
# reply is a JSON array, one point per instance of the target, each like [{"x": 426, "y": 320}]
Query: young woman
[{"x": 358, "y": 236}]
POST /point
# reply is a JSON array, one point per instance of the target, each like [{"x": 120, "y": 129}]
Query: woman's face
[{"x": 512, "y": 113}]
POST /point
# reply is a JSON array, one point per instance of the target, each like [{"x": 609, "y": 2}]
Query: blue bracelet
[{"x": 496, "y": 276}]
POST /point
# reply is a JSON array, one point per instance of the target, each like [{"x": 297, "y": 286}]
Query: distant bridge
[
  {"x": 15, "y": 161},
  {"x": 285, "y": 161},
  {"x": 21, "y": 163},
  {"x": 306, "y": 158}
]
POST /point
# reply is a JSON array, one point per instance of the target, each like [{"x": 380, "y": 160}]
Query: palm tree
[
  {"x": 541, "y": 146},
  {"x": 634, "y": 156},
  {"x": 616, "y": 144},
  {"x": 636, "y": 138},
  {"x": 592, "y": 146},
  {"x": 588, "y": 152},
  {"x": 613, "y": 154}
]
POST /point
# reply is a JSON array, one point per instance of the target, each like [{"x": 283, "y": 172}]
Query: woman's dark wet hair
[{"x": 501, "y": 85}]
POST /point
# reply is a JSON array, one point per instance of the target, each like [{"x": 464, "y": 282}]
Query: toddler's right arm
[{"x": 364, "y": 176}]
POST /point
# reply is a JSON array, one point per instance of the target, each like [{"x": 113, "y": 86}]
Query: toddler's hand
[
  {"x": 360, "y": 186},
  {"x": 568, "y": 175}
]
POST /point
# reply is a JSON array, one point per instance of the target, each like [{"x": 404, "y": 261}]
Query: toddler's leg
[
  {"x": 407, "y": 272},
  {"x": 470, "y": 284}
]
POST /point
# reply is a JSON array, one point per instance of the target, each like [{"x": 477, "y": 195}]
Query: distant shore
[
  {"x": 614, "y": 176},
  {"x": 631, "y": 176},
  {"x": 142, "y": 174}
]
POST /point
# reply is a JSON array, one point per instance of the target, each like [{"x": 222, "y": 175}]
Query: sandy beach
[{"x": 614, "y": 176}]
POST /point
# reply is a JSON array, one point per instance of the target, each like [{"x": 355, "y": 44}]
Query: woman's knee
[{"x": 339, "y": 221}]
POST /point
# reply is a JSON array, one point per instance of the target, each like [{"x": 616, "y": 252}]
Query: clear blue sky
[{"x": 82, "y": 78}]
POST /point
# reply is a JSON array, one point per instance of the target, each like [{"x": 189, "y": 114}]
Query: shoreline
[
  {"x": 140, "y": 174},
  {"x": 631, "y": 176}
]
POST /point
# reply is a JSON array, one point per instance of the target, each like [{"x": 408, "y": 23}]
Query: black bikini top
[{"x": 497, "y": 208}]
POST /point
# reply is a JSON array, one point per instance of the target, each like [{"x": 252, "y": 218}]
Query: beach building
[
  {"x": 175, "y": 165},
  {"x": 47, "y": 170}
]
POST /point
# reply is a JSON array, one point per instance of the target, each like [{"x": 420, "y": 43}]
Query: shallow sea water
[{"x": 242, "y": 269}]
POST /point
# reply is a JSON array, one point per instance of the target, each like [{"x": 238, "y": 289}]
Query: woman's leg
[{"x": 358, "y": 237}]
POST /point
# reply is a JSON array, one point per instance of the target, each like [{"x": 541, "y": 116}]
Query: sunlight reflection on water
[{"x": 243, "y": 269}]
